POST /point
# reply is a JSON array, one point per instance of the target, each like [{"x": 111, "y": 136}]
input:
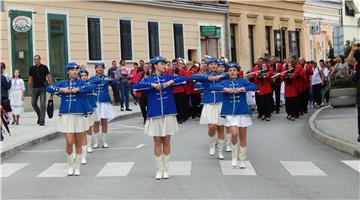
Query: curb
[
  {"x": 331, "y": 141},
  {"x": 13, "y": 150}
]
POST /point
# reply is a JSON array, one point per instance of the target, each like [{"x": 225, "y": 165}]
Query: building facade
[
  {"x": 93, "y": 31},
  {"x": 265, "y": 28},
  {"x": 322, "y": 28},
  {"x": 351, "y": 20}
]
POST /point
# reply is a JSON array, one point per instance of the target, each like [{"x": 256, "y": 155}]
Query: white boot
[
  {"x": 234, "y": 154},
  {"x": 70, "y": 162},
  {"x": 158, "y": 167},
  {"x": 96, "y": 141},
  {"x": 166, "y": 162},
  {"x": 105, "y": 145},
  {"x": 228, "y": 143},
  {"x": 77, "y": 164},
  {"x": 220, "y": 147},
  {"x": 242, "y": 157},
  {"x": 89, "y": 142},
  {"x": 212, "y": 143},
  {"x": 83, "y": 154}
]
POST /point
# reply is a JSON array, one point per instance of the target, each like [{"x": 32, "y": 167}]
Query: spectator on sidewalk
[
  {"x": 123, "y": 74},
  {"x": 39, "y": 78},
  {"x": 354, "y": 57},
  {"x": 17, "y": 96},
  {"x": 317, "y": 83},
  {"x": 5, "y": 86},
  {"x": 341, "y": 68},
  {"x": 133, "y": 74},
  {"x": 114, "y": 87}
]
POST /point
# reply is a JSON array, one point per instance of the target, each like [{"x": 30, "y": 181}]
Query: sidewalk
[
  {"x": 336, "y": 127},
  {"x": 28, "y": 133}
]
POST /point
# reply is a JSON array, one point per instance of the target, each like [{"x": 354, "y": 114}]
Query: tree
[
  {"x": 347, "y": 48},
  {"x": 331, "y": 51}
]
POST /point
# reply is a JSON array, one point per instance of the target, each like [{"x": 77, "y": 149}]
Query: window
[
  {"x": 210, "y": 41},
  {"x": 251, "y": 44},
  {"x": 153, "y": 33},
  {"x": 125, "y": 39},
  {"x": 277, "y": 40},
  {"x": 349, "y": 9},
  {"x": 178, "y": 40},
  {"x": 94, "y": 38},
  {"x": 268, "y": 40},
  {"x": 233, "y": 42},
  {"x": 311, "y": 50},
  {"x": 294, "y": 43},
  {"x": 283, "y": 44},
  {"x": 2, "y": 9}
]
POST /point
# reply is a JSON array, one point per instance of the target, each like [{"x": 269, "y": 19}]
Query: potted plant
[{"x": 342, "y": 92}]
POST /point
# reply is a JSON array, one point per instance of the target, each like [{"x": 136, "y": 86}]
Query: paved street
[{"x": 284, "y": 163}]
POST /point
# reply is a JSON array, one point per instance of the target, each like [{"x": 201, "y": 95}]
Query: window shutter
[
  {"x": 153, "y": 32},
  {"x": 94, "y": 38},
  {"x": 125, "y": 39},
  {"x": 178, "y": 40}
]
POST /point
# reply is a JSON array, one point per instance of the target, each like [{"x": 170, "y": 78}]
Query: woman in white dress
[{"x": 17, "y": 97}]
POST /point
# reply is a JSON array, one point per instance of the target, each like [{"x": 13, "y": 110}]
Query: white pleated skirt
[
  {"x": 161, "y": 126},
  {"x": 211, "y": 114},
  {"x": 105, "y": 110},
  {"x": 93, "y": 117},
  {"x": 238, "y": 121},
  {"x": 70, "y": 123}
]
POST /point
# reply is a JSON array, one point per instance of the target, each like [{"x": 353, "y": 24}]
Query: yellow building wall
[
  {"x": 276, "y": 14},
  {"x": 110, "y": 13}
]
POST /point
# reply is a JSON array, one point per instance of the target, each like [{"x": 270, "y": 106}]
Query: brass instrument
[
  {"x": 251, "y": 73},
  {"x": 281, "y": 73}
]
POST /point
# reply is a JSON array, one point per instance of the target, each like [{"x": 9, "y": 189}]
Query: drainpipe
[{"x": 227, "y": 35}]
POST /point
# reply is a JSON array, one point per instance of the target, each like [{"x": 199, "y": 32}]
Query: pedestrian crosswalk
[{"x": 180, "y": 168}]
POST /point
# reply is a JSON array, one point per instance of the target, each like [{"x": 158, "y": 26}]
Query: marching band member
[
  {"x": 103, "y": 103},
  {"x": 236, "y": 110},
  {"x": 92, "y": 117},
  {"x": 212, "y": 103},
  {"x": 290, "y": 94},
  {"x": 73, "y": 107},
  {"x": 263, "y": 81},
  {"x": 161, "y": 121},
  {"x": 298, "y": 84},
  {"x": 277, "y": 68},
  {"x": 306, "y": 74}
]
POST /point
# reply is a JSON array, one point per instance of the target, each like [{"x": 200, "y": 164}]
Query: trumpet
[
  {"x": 251, "y": 73},
  {"x": 181, "y": 60},
  {"x": 281, "y": 73},
  {"x": 207, "y": 56},
  {"x": 224, "y": 59}
]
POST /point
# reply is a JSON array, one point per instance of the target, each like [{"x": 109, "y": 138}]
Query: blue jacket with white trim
[
  {"x": 206, "y": 83},
  {"x": 102, "y": 87},
  {"x": 72, "y": 103},
  {"x": 159, "y": 102},
  {"x": 234, "y": 104}
]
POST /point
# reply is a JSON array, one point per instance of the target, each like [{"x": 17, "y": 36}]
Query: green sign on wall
[{"x": 209, "y": 31}]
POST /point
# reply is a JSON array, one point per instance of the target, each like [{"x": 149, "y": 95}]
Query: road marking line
[
  {"x": 7, "y": 169},
  {"x": 100, "y": 149},
  {"x": 55, "y": 170},
  {"x": 115, "y": 169},
  {"x": 302, "y": 168},
  {"x": 128, "y": 126},
  {"x": 228, "y": 169},
  {"x": 180, "y": 168},
  {"x": 354, "y": 164}
]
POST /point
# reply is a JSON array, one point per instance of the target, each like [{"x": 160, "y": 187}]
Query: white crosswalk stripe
[
  {"x": 228, "y": 169},
  {"x": 55, "y": 170},
  {"x": 302, "y": 168},
  {"x": 7, "y": 169},
  {"x": 355, "y": 164},
  {"x": 115, "y": 169},
  {"x": 180, "y": 168}
]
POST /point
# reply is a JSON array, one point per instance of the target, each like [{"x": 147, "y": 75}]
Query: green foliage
[
  {"x": 347, "y": 47},
  {"x": 331, "y": 51},
  {"x": 342, "y": 82}
]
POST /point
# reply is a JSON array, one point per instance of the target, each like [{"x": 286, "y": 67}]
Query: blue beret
[
  {"x": 82, "y": 71},
  {"x": 233, "y": 65},
  {"x": 210, "y": 60},
  {"x": 71, "y": 66},
  {"x": 157, "y": 59},
  {"x": 99, "y": 64}
]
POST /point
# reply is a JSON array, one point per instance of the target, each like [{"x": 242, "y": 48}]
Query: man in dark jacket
[
  {"x": 114, "y": 87},
  {"x": 354, "y": 57}
]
